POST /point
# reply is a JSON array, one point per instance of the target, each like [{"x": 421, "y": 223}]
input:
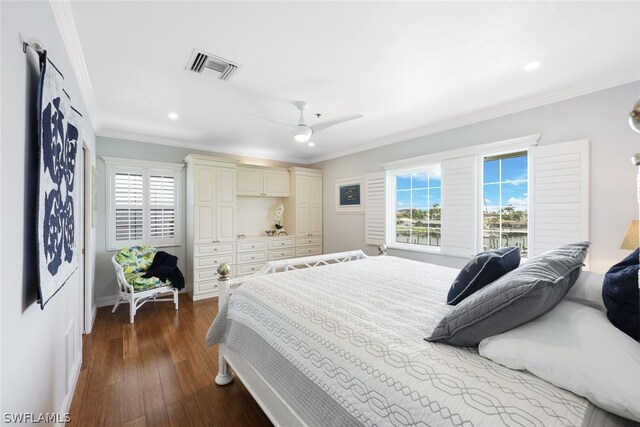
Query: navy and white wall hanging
[{"x": 58, "y": 185}]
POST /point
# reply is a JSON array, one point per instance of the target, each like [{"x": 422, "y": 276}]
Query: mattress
[{"x": 343, "y": 344}]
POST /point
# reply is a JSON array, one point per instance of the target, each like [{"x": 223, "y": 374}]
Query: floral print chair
[{"x": 131, "y": 263}]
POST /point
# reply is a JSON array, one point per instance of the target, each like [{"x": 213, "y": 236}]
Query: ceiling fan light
[{"x": 302, "y": 133}]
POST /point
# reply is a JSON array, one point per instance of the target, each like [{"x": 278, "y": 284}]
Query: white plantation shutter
[
  {"x": 143, "y": 203},
  {"x": 162, "y": 207},
  {"x": 459, "y": 206},
  {"x": 559, "y": 195},
  {"x": 375, "y": 216},
  {"x": 129, "y": 204}
]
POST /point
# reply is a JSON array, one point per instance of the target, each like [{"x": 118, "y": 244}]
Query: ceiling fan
[{"x": 302, "y": 132}]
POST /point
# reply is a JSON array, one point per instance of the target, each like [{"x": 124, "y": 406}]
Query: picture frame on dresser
[{"x": 349, "y": 195}]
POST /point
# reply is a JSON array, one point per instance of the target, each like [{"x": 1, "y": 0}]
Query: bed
[{"x": 340, "y": 342}]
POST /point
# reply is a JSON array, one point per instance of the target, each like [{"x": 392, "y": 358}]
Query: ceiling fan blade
[
  {"x": 328, "y": 123},
  {"x": 269, "y": 120}
]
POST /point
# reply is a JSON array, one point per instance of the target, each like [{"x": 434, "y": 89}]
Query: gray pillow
[
  {"x": 576, "y": 250},
  {"x": 516, "y": 298}
]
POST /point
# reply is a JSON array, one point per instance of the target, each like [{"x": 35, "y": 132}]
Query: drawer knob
[
  {"x": 252, "y": 246},
  {"x": 215, "y": 249},
  {"x": 253, "y": 257}
]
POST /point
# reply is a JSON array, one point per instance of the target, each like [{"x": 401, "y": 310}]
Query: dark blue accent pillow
[
  {"x": 622, "y": 297},
  {"x": 484, "y": 268}
]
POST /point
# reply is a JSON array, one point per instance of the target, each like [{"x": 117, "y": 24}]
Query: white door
[
  {"x": 204, "y": 205},
  {"x": 302, "y": 206},
  {"x": 226, "y": 204},
  {"x": 315, "y": 206}
]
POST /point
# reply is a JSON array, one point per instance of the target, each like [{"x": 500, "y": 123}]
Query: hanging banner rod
[{"x": 34, "y": 44}]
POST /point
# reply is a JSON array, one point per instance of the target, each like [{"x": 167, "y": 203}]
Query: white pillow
[
  {"x": 588, "y": 290},
  {"x": 576, "y": 348}
]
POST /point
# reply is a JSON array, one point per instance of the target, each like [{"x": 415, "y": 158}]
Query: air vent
[{"x": 201, "y": 61}]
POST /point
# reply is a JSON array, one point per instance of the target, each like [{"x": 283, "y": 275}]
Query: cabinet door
[
  {"x": 315, "y": 206},
  {"x": 226, "y": 204},
  {"x": 205, "y": 224},
  {"x": 204, "y": 201},
  {"x": 302, "y": 206},
  {"x": 249, "y": 182},
  {"x": 276, "y": 183}
]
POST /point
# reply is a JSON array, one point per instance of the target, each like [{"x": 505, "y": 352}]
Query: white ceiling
[{"x": 409, "y": 68}]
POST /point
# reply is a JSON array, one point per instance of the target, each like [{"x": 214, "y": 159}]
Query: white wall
[
  {"x": 600, "y": 117},
  {"x": 106, "y": 287},
  {"x": 33, "y": 351}
]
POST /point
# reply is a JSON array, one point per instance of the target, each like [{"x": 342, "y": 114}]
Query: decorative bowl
[{"x": 270, "y": 232}]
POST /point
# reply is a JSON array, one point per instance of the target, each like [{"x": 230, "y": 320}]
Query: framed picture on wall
[{"x": 350, "y": 195}]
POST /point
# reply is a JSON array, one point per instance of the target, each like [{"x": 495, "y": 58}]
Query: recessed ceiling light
[
  {"x": 311, "y": 144},
  {"x": 172, "y": 116},
  {"x": 532, "y": 66}
]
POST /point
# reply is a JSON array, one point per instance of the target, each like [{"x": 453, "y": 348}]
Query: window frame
[
  {"x": 480, "y": 191},
  {"x": 146, "y": 169},
  {"x": 391, "y": 209},
  {"x": 476, "y": 152}
]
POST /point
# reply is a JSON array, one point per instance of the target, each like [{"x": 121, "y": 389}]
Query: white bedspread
[{"x": 356, "y": 330}]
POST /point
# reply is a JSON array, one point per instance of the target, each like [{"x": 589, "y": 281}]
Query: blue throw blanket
[{"x": 165, "y": 267}]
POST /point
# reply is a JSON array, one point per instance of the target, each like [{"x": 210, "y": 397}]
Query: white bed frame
[{"x": 276, "y": 408}]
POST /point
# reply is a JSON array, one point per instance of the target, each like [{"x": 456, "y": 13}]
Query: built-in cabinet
[
  {"x": 259, "y": 181},
  {"x": 213, "y": 186},
  {"x": 211, "y": 228},
  {"x": 304, "y": 208}
]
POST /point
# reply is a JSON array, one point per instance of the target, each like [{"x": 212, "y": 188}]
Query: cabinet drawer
[
  {"x": 309, "y": 241},
  {"x": 308, "y": 250},
  {"x": 205, "y": 275},
  {"x": 243, "y": 270},
  {"x": 213, "y": 261},
  {"x": 255, "y": 245},
  {"x": 282, "y": 243},
  {"x": 282, "y": 253},
  {"x": 205, "y": 286},
  {"x": 252, "y": 257},
  {"x": 214, "y": 248}
]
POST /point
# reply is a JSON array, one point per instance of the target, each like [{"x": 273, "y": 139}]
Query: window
[
  {"x": 418, "y": 200},
  {"x": 143, "y": 204},
  {"x": 505, "y": 202},
  {"x": 530, "y": 196}
]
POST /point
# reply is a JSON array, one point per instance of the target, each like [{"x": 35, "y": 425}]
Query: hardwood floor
[{"x": 157, "y": 371}]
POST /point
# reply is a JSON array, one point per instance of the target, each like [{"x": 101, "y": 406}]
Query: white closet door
[
  {"x": 375, "y": 208},
  {"x": 249, "y": 182},
  {"x": 315, "y": 206},
  {"x": 226, "y": 204},
  {"x": 559, "y": 195},
  {"x": 302, "y": 206},
  {"x": 204, "y": 204},
  {"x": 459, "y": 207}
]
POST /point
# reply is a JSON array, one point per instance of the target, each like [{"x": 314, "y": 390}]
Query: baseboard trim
[{"x": 106, "y": 301}]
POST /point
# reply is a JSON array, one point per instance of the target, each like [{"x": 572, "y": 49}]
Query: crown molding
[
  {"x": 233, "y": 151},
  {"x": 490, "y": 113},
  {"x": 66, "y": 25}
]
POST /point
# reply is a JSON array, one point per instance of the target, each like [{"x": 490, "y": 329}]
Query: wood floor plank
[
  {"x": 157, "y": 372},
  {"x": 138, "y": 422}
]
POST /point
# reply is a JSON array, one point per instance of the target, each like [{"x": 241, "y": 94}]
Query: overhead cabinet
[{"x": 262, "y": 182}]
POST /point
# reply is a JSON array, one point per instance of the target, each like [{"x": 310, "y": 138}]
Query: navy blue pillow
[
  {"x": 622, "y": 297},
  {"x": 484, "y": 268}
]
